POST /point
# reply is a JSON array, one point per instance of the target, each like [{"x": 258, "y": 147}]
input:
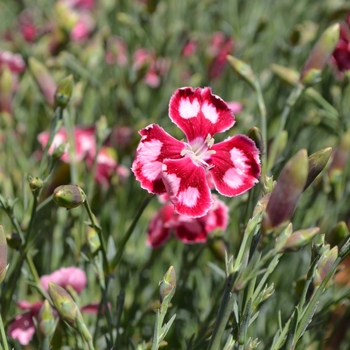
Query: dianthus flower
[
  {"x": 164, "y": 164},
  {"x": 187, "y": 230}
]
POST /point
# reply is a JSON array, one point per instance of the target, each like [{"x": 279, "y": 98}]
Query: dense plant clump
[{"x": 174, "y": 174}]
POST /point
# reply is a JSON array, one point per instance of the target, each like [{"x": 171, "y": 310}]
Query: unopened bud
[
  {"x": 13, "y": 240},
  {"x": 3, "y": 254},
  {"x": 287, "y": 75},
  {"x": 59, "y": 151},
  {"x": 255, "y": 134},
  {"x": 6, "y": 83},
  {"x": 317, "y": 162},
  {"x": 285, "y": 196},
  {"x": 325, "y": 264},
  {"x": 299, "y": 239},
  {"x": 318, "y": 245},
  {"x": 43, "y": 79},
  {"x": 46, "y": 320},
  {"x": 64, "y": 91},
  {"x": 69, "y": 196},
  {"x": 93, "y": 240},
  {"x": 64, "y": 304},
  {"x": 35, "y": 184},
  {"x": 320, "y": 55},
  {"x": 242, "y": 69},
  {"x": 168, "y": 284},
  {"x": 338, "y": 233},
  {"x": 218, "y": 248}
]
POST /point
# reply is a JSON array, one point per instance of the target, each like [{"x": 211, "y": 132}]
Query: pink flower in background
[
  {"x": 156, "y": 67},
  {"x": 220, "y": 46},
  {"x": 116, "y": 51},
  {"x": 27, "y": 27},
  {"x": 13, "y": 60},
  {"x": 83, "y": 27},
  {"x": 85, "y": 142},
  {"x": 23, "y": 328},
  {"x": 64, "y": 277},
  {"x": 164, "y": 164},
  {"x": 81, "y": 4},
  {"x": 186, "y": 229},
  {"x": 341, "y": 54},
  {"x": 189, "y": 49},
  {"x": 235, "y": 107}
]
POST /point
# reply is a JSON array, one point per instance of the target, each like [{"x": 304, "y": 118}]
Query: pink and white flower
[
  {"x": 164, "y": 164},
  {"x": 186, "y": 229},
  {"x": 23, "y": 328}
]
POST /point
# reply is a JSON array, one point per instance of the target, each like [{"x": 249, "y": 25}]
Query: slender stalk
[
  {"x": 3, "y": 335},
  {"x": 126, "y": 237}
]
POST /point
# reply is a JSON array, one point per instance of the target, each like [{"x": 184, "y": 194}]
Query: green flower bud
[
  {"x": 13, "y": 240},
  {"x": 338, "y": 233},
  {"x": 64, "y": 91},
  {"x": 243, "y": 70},
  {"x": 3, "y": 254},
  {"x": 46, "y": 320},
  {"x": 287, "y": 75},
  {"x": 255, "y": 134},
  {"x": 93, "y": 240},
  {"x": 35, "y": 184},
  {"x": 6, "y": 82},
  {"x": 317, "y": 162},
  {"x": 64, "y": 304},
  {"x": 325, "y": 263},
  {"x": 43, "y": 79},
  {"x": 168, "y": 284},
  {"x": 69, "y": 196},
  {"x": 320, "y": 55},
  {"x": 285, "y": 196},
  {"x": 299, "y": 239}
]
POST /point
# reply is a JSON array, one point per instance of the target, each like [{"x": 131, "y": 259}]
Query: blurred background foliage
[{"x": 258, "y": 32}]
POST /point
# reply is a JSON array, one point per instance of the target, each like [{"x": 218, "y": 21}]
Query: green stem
[
  {"x": 98, "y": 229},
  {"x": 262, "y": 109},
  {"x": 45, "y": 344},
  {"x": 126, "y": 237},
  {"x": 3, "y": 335}
]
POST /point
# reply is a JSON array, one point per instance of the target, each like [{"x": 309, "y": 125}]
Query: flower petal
[
  {"x": 155, "y": 146},
  {"x": 236, "y": 165},
  {"x": 187, "y": 187},
  {"x": 197, "y": 112},
  {"x": 22, "y": 328},
  {"x": 217, "y": 217},
  {"x": 190, "y": 231},
  {"x": 158, "y": 230}
]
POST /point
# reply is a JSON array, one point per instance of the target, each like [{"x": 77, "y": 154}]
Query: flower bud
[
  {"x": 6, "y": 83},
  {"x": 287, "y": 75},
  {"x": 69, "y": 196},
  {"x": 255, "y": 134},
  {"x": 3, "y": 254},
  {"x": 43, "y": 79},
  {"x": 320, "y": 55},
  {"x": 338, "y": 233},
  {"x": 285, "y": 196},
  {"x": 218, "y": 249},
  {"x": 46, "y": 320},
  {"x": 299, "y": 239},
  {"x": 243, "y": 70},
  {"x": 13, "y": 240},
  {"x": 319, "y": 246},
  {"x": 317, "y": 162},
  {"x": 64, "y": 304},
  {"x": 35, "y": 184},
  {"x": 325, "y": 264},
  {"x": 93, "y": 240},
  {"x": 64, "y": 91},
  {"x": 168, "y": 284}
]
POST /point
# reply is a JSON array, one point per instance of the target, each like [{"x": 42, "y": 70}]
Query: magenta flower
[
  {"x": 14, "y": 61},
  {"x": 341, "y": 54},
  {"x": 186, "y": 229},
  {"x": 23, "y": 328},
  {"x": 164, "y": 164}
]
